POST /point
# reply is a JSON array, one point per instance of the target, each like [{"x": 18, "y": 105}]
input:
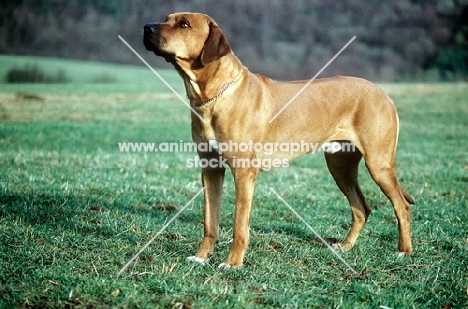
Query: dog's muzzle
[
  {"x": 154, "y": 42},
  {"x": 149, "y": 28},
  {"x": 150, "y": 34}
]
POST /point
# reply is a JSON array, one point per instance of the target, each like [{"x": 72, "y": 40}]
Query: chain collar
[{"x": 220, "y": 92}]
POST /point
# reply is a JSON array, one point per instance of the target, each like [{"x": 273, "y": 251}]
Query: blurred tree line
[{"x": 398, "y": 40}]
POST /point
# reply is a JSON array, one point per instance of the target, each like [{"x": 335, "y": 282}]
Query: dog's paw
[
  {"x": 342, "y": 246},
  {"x": 198, "y": 260},
  {"x": 402, "y": 255},
  {"x": 224, "y": 266},
  {"x": 336, "y": 247}
]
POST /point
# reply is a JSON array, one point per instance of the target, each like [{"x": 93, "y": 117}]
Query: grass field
[{"x": 74, "y": 209}]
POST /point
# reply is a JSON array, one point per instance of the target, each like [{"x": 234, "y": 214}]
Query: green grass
[{"x": 74, "y": 210}]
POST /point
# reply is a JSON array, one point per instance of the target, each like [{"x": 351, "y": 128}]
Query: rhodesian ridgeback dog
[{"x": 232, "y": 105}]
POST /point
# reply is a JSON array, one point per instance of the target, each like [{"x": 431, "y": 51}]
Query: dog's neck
[
  {"x": 198, "y": 89},
  {"x": 221, "y": 91}
]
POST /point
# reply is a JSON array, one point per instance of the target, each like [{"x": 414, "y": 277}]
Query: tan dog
[{"x": 237, "y": 106}]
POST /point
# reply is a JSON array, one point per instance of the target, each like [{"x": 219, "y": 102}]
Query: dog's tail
[{"x": 407, "y": 197}]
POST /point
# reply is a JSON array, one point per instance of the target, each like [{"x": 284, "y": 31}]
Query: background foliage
[{"x": 396, "y": 40}]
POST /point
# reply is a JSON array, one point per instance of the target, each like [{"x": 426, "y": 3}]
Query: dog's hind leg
[
  {"x": 384, "y": 174},
  {"x": 343, "y": 165}
]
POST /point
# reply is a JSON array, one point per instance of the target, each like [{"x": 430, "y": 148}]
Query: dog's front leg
[
  {"x": 244, "y": 179},
  {"x": 212, "y": 179}
]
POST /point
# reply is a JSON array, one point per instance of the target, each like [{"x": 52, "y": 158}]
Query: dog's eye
[{"x": 184, "y": 24}]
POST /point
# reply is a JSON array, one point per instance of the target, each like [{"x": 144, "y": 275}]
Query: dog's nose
[{"x": 149, "y": 28}]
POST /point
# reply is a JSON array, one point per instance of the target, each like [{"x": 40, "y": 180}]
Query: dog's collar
[{"x": 220, "y": 92}]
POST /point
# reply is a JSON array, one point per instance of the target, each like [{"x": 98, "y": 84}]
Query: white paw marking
[
  {"x": 198, "y": 260},
  {"x": 224, "y": 266},
  {"x": 337, "y": 247},
  {"x": 400, "y": 255},
  {"x": 214, "y": 144}
]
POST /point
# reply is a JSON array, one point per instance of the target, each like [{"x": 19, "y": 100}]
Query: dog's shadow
[
  {"x": 96, "y": 215},
  {"x": 299, "y": 233}
]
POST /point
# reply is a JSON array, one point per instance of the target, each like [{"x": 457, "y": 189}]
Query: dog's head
[{"x": 188, "y": 37}]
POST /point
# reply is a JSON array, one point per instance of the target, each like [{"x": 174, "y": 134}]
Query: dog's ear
[{"x": 216, "y": 46}]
